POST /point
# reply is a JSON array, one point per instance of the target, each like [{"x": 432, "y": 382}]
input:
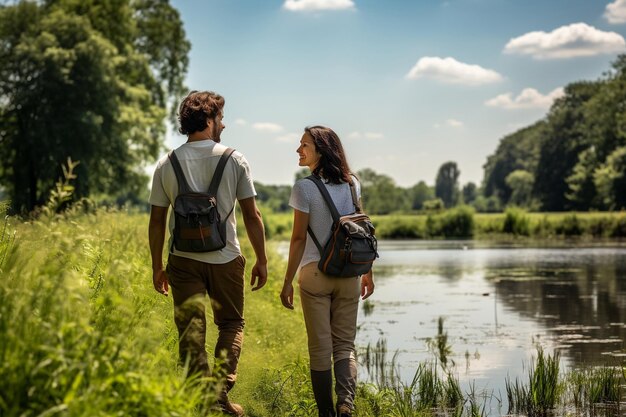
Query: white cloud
[
  {"x": 450, "y": 123},
  {"x": 288, "y": 138},
  {"x": 449, "y": 70},
  {"x": 267, "y": 127},
  {"x": 575, "y": 40},
  {"x": 529, "y": 98},
  {"x": 616, "y": 12},
  {"x": 366, "y": 135},
  {"x": 316, "y": 5},
  {"x": 374, "y": 135},
  {"x": 241, "y": 122}
]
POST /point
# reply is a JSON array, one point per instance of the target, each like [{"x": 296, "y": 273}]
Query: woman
[{"x": 330, "y": 304}]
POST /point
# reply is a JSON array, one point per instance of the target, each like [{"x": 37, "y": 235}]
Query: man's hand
[
  {"x": 286, "y": 295},
  {"x": 367, "y": 285},
  {"x": 258, "y": 276},
  {"x": 159, "y": 280}
]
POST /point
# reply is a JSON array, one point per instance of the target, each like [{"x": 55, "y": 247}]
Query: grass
[{"x": 83, "y": 333}]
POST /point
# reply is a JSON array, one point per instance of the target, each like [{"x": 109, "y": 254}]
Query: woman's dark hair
[
  {"x": 333, "y": 165},
  {"x": 197, "y": 109}
]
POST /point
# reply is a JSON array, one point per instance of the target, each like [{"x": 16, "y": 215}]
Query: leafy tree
[
  {"x": 564, "y": 140},
  {"x": 521, "y": 183},
  {"x": 380, "y": 193},
  {"x": 484, "y": 204},
  {"x": 469, "y": 192},
  {"x": 610, "y": 180},
  {"x": 447, "y": 183},
  {"x": 420, "y": 193},
  {"x": 88, "y": 80},
  {"x": 517, "y": 151},
  {"x": 276, "y": 197},
  {"x": 582, "y": 192},
  {"x": 302, "y": 173}
]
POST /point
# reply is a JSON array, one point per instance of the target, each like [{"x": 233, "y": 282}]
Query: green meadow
[
  {"x": 464, "y": 222},
  {"x": 83, "y": 333}
]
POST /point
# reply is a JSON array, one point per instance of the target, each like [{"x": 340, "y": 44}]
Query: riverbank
[{"x": 464, "y": 222}]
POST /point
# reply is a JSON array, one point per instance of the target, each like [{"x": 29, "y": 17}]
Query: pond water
[{"x": 498, "y": 303}]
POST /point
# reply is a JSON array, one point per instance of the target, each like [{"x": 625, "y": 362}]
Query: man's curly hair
[{"x": 197, "y": 109}]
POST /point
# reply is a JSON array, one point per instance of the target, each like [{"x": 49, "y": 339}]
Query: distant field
[{"x": 462, "y": 222}]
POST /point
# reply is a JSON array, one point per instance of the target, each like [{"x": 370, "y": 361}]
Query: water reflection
[{"x": 499, "y": 302}]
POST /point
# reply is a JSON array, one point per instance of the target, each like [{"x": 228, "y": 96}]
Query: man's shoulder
[{"x": 163, "y": 161}]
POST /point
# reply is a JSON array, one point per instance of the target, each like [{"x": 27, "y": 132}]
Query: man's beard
[{"x": 216, "y": 133}]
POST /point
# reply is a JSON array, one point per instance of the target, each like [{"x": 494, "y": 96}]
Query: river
[{"x": 498, "y": 304}]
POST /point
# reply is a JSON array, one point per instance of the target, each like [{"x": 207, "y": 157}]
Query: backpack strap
[
  {"x": 355, "y": 200},
  {"x": 219, "y": 170},
  {"x": 183, "y": 185},
  {"x": 329, "y": 202}
]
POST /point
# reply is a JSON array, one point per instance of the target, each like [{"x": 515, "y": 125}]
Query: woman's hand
[
  {"x": 286, "y": 295},
  {"x": 367, "y": 285}
]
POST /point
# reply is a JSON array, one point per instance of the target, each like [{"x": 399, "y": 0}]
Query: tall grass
[
  {"x": 81, "y": 333},
  {"x": 543, "y": 390}
]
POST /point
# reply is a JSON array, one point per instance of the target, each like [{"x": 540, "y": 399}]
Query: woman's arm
[{"x": 296, "y": 249}]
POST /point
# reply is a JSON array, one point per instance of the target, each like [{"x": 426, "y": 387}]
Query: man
[{"x": 220, "y": 274}]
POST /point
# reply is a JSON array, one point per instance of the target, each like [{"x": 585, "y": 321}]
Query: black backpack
[
  {"x": 197, "y": 223},
  {"x": 352, "y": 246}
]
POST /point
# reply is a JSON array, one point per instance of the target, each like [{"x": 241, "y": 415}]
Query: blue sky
[{"x": 407, "y": 85}]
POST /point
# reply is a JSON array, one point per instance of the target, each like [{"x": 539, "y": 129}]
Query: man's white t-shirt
[{"x": 198, "y": 161}]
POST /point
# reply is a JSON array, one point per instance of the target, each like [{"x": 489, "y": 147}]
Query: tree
[
  {"x": 469, "y": 192},
  {"x": 447, "y": 183},
  {"x": 276, "y": 197},
  {"x": 302, "y": 173},
  {"x": 582, "y": 193},
  {"x": 421, "y": 193},
  {"x": 517, "y": 151},
  {"x": 521, "y": 184},
  {"x": 610, "y": 180},
  {"x": 380, "y": 193},
  {"x": 564, "y": 139},
  {"x": 88, "y": 80}
]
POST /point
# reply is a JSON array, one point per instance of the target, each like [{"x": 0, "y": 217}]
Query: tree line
[
  {"x": 95, "y": 80},
  {"x": 572, "y": 159}
]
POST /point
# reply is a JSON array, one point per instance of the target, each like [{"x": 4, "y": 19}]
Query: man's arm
[
  {"x": 256, "y": 233},
  {"x": 156, "y": 237}
]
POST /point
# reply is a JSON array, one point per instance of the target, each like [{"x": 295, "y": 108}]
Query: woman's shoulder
[{"x": 303, "y": 185}]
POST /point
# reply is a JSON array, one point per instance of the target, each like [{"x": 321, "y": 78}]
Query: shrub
[
  {"x": 457, "y": 222},
  {"x": 619, "y": 227},
  {"x": 570, "y": 225},
  {"x": 396, "y": 227},
  {"x": 516, "y": 222}
]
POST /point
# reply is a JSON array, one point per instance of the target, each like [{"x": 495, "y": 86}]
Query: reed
[{"x": 544, "y": 389}]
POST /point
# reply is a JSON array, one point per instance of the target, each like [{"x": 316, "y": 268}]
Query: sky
[{"x": 407, "y": 85}]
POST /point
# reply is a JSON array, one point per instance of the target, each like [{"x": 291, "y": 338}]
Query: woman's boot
[{"x": 345, "y": 379}]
